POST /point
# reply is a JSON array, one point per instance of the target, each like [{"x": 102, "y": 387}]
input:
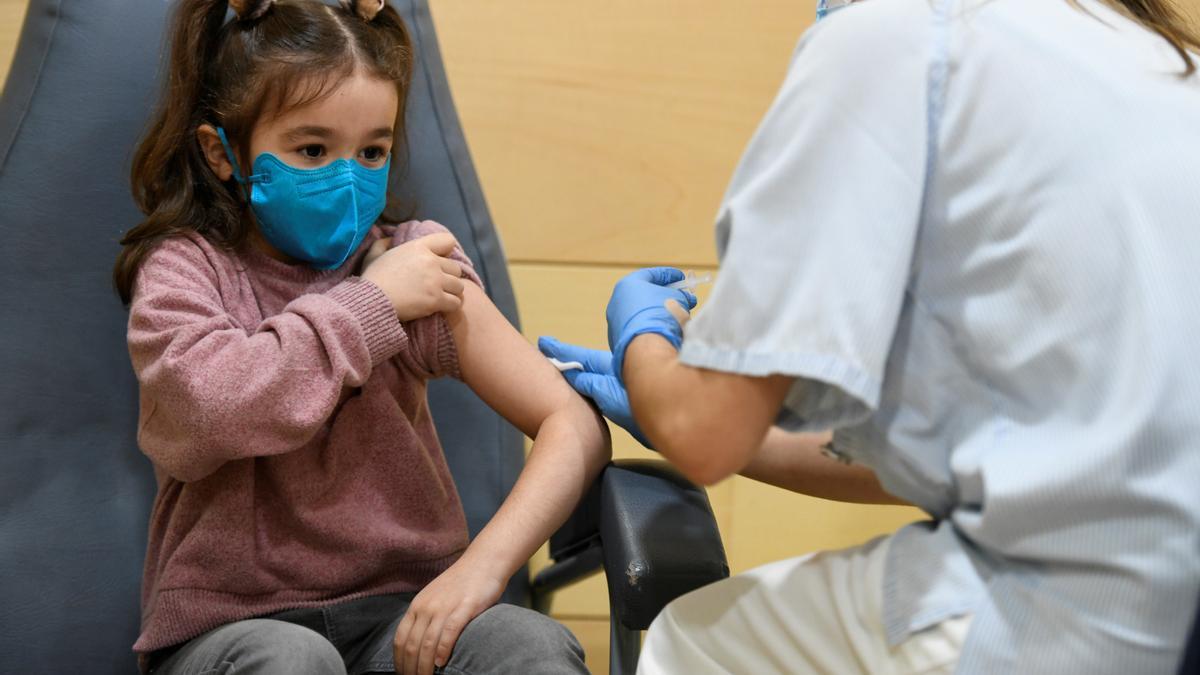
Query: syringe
[{"x": 691, "y": 281}]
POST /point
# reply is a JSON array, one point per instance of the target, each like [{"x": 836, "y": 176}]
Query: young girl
[{"x": 306, "y": 520}]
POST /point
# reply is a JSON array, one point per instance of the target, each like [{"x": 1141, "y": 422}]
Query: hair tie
[
  {"x": 365, "y": 9},
  {"x": 249, "y": 10}
]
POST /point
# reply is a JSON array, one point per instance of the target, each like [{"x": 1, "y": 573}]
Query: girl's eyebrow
[
  {"x": 325, "y": 132},
  {"x": 307, "y": 131}
]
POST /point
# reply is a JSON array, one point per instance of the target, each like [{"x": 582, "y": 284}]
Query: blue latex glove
[
  {"x": 596, "y": 381},
  {"x": 638, "y": 306}
]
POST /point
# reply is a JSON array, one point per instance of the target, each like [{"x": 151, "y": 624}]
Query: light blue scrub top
[{"x": 971, "y": 229}]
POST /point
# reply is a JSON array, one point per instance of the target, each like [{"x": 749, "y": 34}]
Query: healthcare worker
[{"x": 966, "y": 238}]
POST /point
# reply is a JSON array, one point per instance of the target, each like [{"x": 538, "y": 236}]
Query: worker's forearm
[
  {"x": 795, "y": 462},
  {"x": 708, "y": 424},
  {"x": 711, "y": 425}
]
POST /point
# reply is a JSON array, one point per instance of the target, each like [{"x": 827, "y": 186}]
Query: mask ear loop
[{"x": 237, "y": 172}]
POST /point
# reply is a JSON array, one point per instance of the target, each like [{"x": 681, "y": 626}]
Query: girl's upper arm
[{"x": 507, "y": 372}]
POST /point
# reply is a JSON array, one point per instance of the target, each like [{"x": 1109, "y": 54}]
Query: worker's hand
[
  {"x": 596, "y": 381},
  {"x": 438, "y": 615},
  {"x": 639, "y": 305}
]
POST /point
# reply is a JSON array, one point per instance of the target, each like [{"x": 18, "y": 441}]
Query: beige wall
[
  {"x": 12, "y": 13},
  {"x": 604, "y": 134}
]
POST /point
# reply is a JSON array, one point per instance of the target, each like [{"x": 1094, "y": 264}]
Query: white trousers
[{"x": 820, "y": 613}]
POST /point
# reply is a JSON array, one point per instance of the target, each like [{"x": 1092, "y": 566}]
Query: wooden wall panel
[
  {"x": 593, "y": 636},
  {"x": 12, "y": 15},
  {"x": 606, "y": 132},
  {"x": 769, "y": 524}
]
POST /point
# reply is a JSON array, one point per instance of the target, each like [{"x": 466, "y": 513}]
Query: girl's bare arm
[{"x": 570, "y": 447}]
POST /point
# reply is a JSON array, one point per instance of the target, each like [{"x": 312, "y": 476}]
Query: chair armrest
[
  {"x": 659, "y": 536},
  {"x": 652, "y": 531}
]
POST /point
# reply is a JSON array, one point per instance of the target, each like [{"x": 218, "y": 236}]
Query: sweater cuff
[
  {"x": 381, "y": 330},
  {"x": 447, "y": 350}
]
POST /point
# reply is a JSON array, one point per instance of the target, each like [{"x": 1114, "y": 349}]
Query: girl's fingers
[
  {"x": 429, "y": 644},
  {"x": 453, "y": 285},
  {"x": 412, "y": 646},
  {"x": 451, "y": 267},
  {"x": 441, "y": 243},
  {"x": 401, "y": 639},
  {"x": 453, "y": 628},
  {"x": 450, "y": 303},
  {"x": 377, "y": 249}
]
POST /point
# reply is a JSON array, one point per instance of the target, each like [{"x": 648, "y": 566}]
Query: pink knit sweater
[{"x": 284, "y": 410}]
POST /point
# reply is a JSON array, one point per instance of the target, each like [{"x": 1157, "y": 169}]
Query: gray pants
[{"x": 355, "y": 638}]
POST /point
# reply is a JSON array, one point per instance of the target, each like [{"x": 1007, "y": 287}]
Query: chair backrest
[{"x": 75, "y": 492}]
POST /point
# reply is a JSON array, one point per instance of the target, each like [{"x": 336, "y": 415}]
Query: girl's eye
[
  {"x": 374, "y": 154},
  {"x": 312, "y": 151}
]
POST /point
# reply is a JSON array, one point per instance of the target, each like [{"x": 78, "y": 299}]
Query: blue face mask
[{"x": 320, "y": 215}]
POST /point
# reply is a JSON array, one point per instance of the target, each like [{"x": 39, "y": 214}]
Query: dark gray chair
[
  {"x": 1191, "y": 655},
  {"x": 75, "y": 492}
]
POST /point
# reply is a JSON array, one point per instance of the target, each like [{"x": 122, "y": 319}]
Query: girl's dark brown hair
[
  {"x": 1163, "y": 18},
  {"x": 231, "y": 74}
]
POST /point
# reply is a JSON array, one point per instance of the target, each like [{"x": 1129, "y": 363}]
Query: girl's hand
[
  {"x": 438, "y": 615},
  {"x": 418, "y": 276},
  {"x": 377, "y": 249}
]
